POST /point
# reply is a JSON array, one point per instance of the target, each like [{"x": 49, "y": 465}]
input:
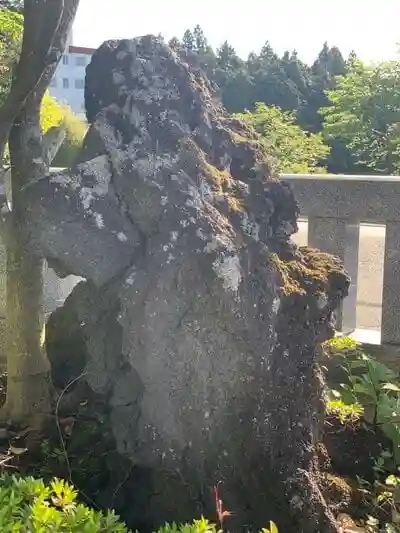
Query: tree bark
[
  {"x": 27, "y": 367},
  {"x": 46, "y": 28}
]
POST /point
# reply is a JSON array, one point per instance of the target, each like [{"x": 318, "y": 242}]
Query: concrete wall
[{"x": 335, "y": 206}]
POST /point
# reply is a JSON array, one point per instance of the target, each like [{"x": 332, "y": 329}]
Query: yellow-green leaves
[
  {"x": 365, "y": 114},
  {"x": 11, "y": 26},
  {"x": 292, "y": 149},
  {"x": 272, "y": 528}
]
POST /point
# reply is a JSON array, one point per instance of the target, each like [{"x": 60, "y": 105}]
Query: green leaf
[
  {"x": 17, "y": 451},
  {"x": 290, "y": 148},
  {"x": 273, "y": 528},
  {"x": 391, "y": 387}
]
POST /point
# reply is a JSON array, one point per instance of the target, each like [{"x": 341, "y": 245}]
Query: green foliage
[
  {"x": 360, "y": 110},
  {"x": 197, "y": 526},
  {"x": 384, "y": 496},
  {"x": 293, "y": 149},
  {"x": 230, "y": 73},
  {"x": 52, "y": 113},
  {"x": 195, "y": 41},
  {"x": 372, "y": 385},
  {"x": 346, "y": 412},
  {"x": 75, "y": 131},
  {"x": 272, "y": 528},
  {"x": 285, "y": 82},
  {"x": 204, "y": 526},
  {"x": 365, "y": 114},
  {"x": 11, "y": 27},
  {"x": 27, "y": 504},
  {"x": 343, "y": 346}
]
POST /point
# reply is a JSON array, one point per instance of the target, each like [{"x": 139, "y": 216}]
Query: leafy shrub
[
  {"x": 27, "y": 504},
  {"x": 75, "y": 131},
  {"x": 345, "y": 412},
  {"x": 372, "y": 385},
  {"x": 343, "y": 347},
  {"x": 204, "y": 526},
  {"x": 52, "y": 113}
]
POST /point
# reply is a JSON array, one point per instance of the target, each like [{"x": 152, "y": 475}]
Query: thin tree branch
[
  {"x": 29, "y": 115},
  {"x": 46, "y": 27}
]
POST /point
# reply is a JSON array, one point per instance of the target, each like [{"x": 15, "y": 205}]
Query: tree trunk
[
  {"x": 28, "y": 396},
  {"x": 47, "y": 25}
]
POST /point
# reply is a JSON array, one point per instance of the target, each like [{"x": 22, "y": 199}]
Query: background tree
[
  {"x": 365, "y": 115},
  {"x": 292, "y": 149},
  {"x": 271, "y": 83},
  {"x": 322, "y": 75},
  {"x": 174, "y": 43},
  {"x": 231, "y": 76},
  {"x": 196, "y": 42},
  {"x": 188, "y": 40},
  {"x": 47, "y": 25}
]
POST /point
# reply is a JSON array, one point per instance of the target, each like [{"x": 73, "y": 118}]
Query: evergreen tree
[
  {"x": 195, "y": 41},
  {"x": 188, "y": 40},
  {"x": 298, "y": 72},
  {"x": 233, "y": 79},
  {"x": 271, "y": 83},
  {"x": 328, "y": 65},
  {"x": 199, "y": 40},
  {"x": 227, "y": 64},
  {"x": 351, "y": 60},
  {"x": 174, "y": 43},
  {"x": 285, "y": 82}
]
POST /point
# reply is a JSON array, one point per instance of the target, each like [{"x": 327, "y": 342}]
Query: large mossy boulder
[{"x": 200, "y": 320}]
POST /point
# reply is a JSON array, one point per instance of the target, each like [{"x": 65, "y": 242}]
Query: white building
[{"x": 68, "y": 83}]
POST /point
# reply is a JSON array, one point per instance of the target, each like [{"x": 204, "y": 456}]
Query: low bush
[
  {"x": 53, "y": 113},
  {"x": 28, "y": 505},
  {"x": 369, "y": 388}
]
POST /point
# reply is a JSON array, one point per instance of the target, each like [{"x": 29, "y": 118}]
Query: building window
[
  {"x": 65, "y": 83},
  {"x": 79, "y": 83},
  {"x": 53, "y": 82},
  {"x": 80, "y": 61},
  {"x": 65, "y": 60}
]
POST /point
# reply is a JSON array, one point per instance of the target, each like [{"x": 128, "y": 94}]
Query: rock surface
[{"x": 200, "y": 320}]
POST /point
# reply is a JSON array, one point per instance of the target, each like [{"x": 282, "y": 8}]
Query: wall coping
[
  {"x": 341, "y": 177},
  {"x": 355, "y": 199}
]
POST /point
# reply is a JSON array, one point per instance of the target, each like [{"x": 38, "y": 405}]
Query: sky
[{"x": 370, "y": 27}]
